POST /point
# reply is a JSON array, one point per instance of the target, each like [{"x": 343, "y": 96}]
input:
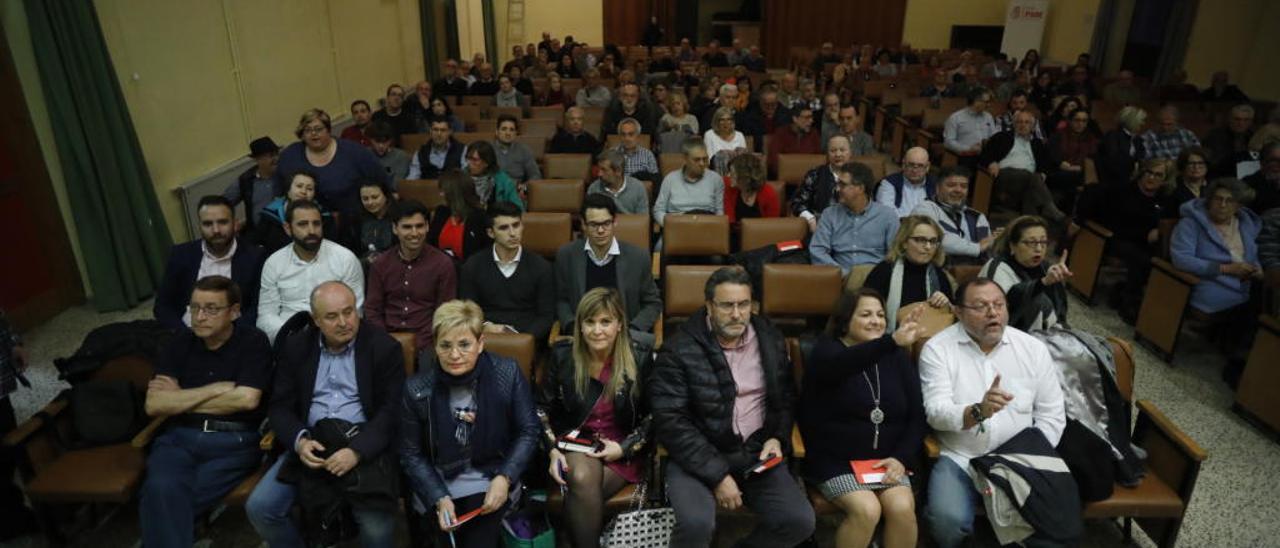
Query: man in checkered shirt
[
  {"x": 1167, "y": 139},
  {"x": 638, "y": 162}
]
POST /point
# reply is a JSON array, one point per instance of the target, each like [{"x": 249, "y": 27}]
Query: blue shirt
[
  {"x": 846, "y": 239},
  {"x": 336, "y": 395}
]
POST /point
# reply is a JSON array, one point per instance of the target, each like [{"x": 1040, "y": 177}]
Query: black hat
[{"x": 263, "y": 145}]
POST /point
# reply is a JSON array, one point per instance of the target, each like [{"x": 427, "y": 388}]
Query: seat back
[
  {"x": 764, "y": 231},
  {"x": 670, "y": 161},
  {"x": 518, "y": 346},
  {"x": 792, "y": 167},
  {"x": 538, "y": 127},
  {"x": 469, "y": 114},
  {"x": 408, "y": 349},
  {"x": 537, "y": 145},
  {"x": 800, "y": 289},
  {"x": 612, "y": 141},
  {"x": 553, "y": 112},
  {"x": 411, "y": 142},
  {"x": 695, "y": 235},
  {"x": 1086, "y": 259},
  {"x": 426, "y": 191},
  {"x": 983, "y": 190},
  {"x": 873, "y": 162},
  {"x": 555, "y": 195},
  {"x": 495, "y": 112},
  {"x": 545, "y": 232},
  {"x": 473, "y": 137},
  {"x": 567, "y": 166},
  {"x": 932, "y": 319},
  {"x": 684, "y": 289},
  {"x": 633, "y": 228}
]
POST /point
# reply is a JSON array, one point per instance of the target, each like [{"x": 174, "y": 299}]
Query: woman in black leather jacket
[{"x": 593, "y": 391}]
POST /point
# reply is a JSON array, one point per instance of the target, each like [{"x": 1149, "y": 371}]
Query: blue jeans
[
  {"x": 952, "y": 500},
  {"x": 188, "y": 472},
  {"x": 269, "y": 509}
]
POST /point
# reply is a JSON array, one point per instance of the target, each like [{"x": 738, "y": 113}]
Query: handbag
[{"x": 640, "y": 527}]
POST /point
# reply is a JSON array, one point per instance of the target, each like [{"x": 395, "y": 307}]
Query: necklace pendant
[{"x": 877, "y": 416}]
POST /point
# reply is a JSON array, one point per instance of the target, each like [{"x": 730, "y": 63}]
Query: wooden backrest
[
  {"x": 542, "y": 127},
  {"x": 467, "y": 138},
  {"x": 520, "y": 347},
  {"x": 537, "y": 145},
  {"x": 874, "y": 162},
  {"x": 545, "y": 232},
  {"x": 426, "y": 191},
  {"x": 684, "y": 285},
  {"x": 932, "y": 319},
  {"x": 792, "y": 167},
  {"x": 686, "y": 235},
  {"x": 612, "y": 141},
  {"x": 408, "y": 349},
  {"x": 411, "y": 142},
  {"x": 800, "y": 289},
  {"x": 633, "y": 228},
  {"x": 760, "y": 232},
  {"x": 567, "y": 166},
  {"x": 553, "y": 112},
  {"x": 469, "y": 114},
  {"x": 556, "y": 195},
  {"x": 670, "y": 161}
]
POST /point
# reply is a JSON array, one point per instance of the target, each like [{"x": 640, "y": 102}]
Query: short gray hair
[
  {"x": 615, "y": 158},
  {"x": 1246, "y": 108},
  {"x": 725, "y": 275},
  {"x": 691, "y": 144},
  {"x": 1238, "y": 189},
  {"x": 632, "y": 121}
]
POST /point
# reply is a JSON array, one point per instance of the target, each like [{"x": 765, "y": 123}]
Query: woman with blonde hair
[
  {"x": 912, "y": 269},
  {"x": 594, "y": 391},
  {"x": 467, "y": 428}
]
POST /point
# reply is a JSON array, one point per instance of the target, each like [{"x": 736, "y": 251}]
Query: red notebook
[
  {"x": 466, "y": 517},
  {"x": 866, "y": 472},
  {"x": 765, "y": 465}
]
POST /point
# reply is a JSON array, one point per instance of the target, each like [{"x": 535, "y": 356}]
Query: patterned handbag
[{"x": 640, "y": 527}]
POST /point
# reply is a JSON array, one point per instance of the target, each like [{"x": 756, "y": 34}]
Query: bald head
[
  {"x": 333, "y": 309},
  {"x": 328, "y": 294},
  {"x": 915, "y": 164}
]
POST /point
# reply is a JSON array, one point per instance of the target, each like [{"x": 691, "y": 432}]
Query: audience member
[
  {"x": 677, "y": 124},
  {"x": 485, "y": 85},
  {"x": 216, "y": 253},
  {"x": 406, "y": 286},
  {"x": 333, "y": 407},
  {"x": 629, "y": 193},
  {"x": 517, "y": 291},
  {"x": 905, "y": 190},
  {"x": 628, "y": 105},
  {"x": 508, "y": 95},
  {"x": 370, "y": 233},
  {"x": 572, "y": 137},
  {"x": 1121, "y": 147},
  {"x": 1230, "y": 143},
  {"x": 1176, "y": 88},
  {"x": 337, "y": 164},
  {"x": 841, "y": 410},
  {"x": 1030, "y": 63},
  {"x": 1060, "y": 118},
  {"x": 818, "y": 189},
  {"x": 450, "y": 82},
  {"x": 1221, "y": 90},
  {"x": 769, "y": 111},
  {"x": 1018, "y": 102},
  {"x": 691, "y": 189},
  {"x": 746, "y": 196},
  {"x": 491, "y": 183},
  {"x": 1019, "y": 163},
  {"x": 723, "y": 136},
  {"x": 1133, "y": 212},
  {"x": 714, "y": 438},
  {"x": 598, "y": 259},
  {"x": 1268, "y": 133},
  {"x": 1079, "y": 84},
  {"x": 856, "y": 232},
  {"x": 515, "y": 159},
  {"x": 566, "y": 69},
  {"x": 394, "y": 161},
  {"x": 638, "y": 161},
  {"x": 1042, "y": 93},
  {"x": 418, "y": 106},
  {"x": 440, "y": 110},
  {"x": 797, "y": 138},
  {"x": 967, "y": 129},
  {"x": 1122, "y": 92},
  {"x": 439, "y": 154},
  {"x": 1168, "y": 139},
  {"x": 966, "y": 234},
  {"x": 271, "y": 232},
  {"x": 753, "y": 60},
  {"x": 1193, "y": 172},
  {"x": 912, "y": 270},
  {"x": 594, "y": 92},
  {"x": 1010, "y": 379},
  {"x": 1269, "y": 242},
  {"x": 1266, "y": 182},
  {"x": 940, "y": 87},
  {"x": 392, "y": 112},
  {"x": 860, "y": 143},
  {"x": 361, "y": 115},
  {"x": 595, "y": 387},
  {"x": 290, "y": 273},
  {"x": 1035, "y": 290},
  {"x": 554, "y": 95},
  {"x": 458, "y": 226},
  {"x": 1069, "y": 149},
  {"x": 256, "y": 185}
]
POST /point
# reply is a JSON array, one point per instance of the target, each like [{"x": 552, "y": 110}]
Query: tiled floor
[{"x": 1235, "y": 503}]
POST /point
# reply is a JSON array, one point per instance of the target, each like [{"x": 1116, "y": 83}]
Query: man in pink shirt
[{"x": 722, "y": 396}]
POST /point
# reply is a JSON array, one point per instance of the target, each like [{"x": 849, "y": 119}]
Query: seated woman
[
  {"x": 1034, "y": 290},
  {"x": 594, "y": 387},
  {"x": 1133, "y": 214},
  {"x": 554, "y": 94},
  {"x": 677, "y": 124},
  {"x": 746, "y": 196},
  {"x": 370, "y": 234},
  {"x": 269, "y": 229},
  {"x": 459, "y": 226},
  {"x": 912, "y": 270},
  {"x": 491, "y": 183},
  {"x": 1217, "y": 240},
  {"x": 1193, "y": 172},
  {"x": 722, "y": 137},
  {"x": 1069, "y": 147},
  {"x": 467, "y": 428},
  {"x": 440, "y": 110},
  {"x": 854, "y": 409}
]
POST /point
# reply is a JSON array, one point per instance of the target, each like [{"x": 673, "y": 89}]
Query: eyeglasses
[
  {"x": 314, "y": 130},
  {"x": 1035, "y": 243},
  {"x": 464, "y": 348},
  {"x": 984, "y": 307},
  {"x": 596, "y": 226},
  {"x": 921, "y": 240},
  {"x": 730, "y": 307},
  {"x": 206, "y": 310}
]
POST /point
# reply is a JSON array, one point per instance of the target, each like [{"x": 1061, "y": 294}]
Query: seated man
[
  {"x": 393, "y": 113},
  {"x": 716, "y": 428},
  {"x": 293, "y": 271},
  {"x": 818, "y": 190},
  {"x": 629, "y": 193},
  {"x": 216, "y": 252},
  {"x": 1018, "y": 162},
  {"x": 1266, "y": 182},
  {"x": 966, "y": 234},
  {"x": 573, "y": 138},
  {"x": 438, "y": 155},
  {"x": 1018, "y": 102},
  {"x": 967, "y": 129},
  {"x": 1168, "y": 139},
  {"x": 514, "y": 158},
  {"x": 798, "y": 137},
  {"x": 630, "y": 105},
  {"x": 1122, "y": 92},
  {"x": 692, "y": 188},
  {"x": 209, "y": 382},
  {"x": 256, "y": 185},
  {"x": 860, "y": 143},
  {"x": 905, "y": 190},
  {"x": 982, "y": 382},
  {"x": 1229, "y": 143},
  {"x": 340, "y": 377},
  {"x": 405, "y": 287},
  {"x": 599, "y": 259},
  {"x": 485, "y": 84},
  {"x": 516, "y": 291},
  {"x": 360, "y": 116},
  {"x": 637, "y": 161},
  {"x": 856, "y": 232},
  {"x": 593, "y": 92},
  {"x": 394, "y": 160}
]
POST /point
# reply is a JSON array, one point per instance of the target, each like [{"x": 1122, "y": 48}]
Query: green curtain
[{"x": 113, "y": 204}]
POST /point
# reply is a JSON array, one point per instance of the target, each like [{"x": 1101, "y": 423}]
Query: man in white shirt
[
  {"x": 292, "y": 272},
  {"x": 905, "y": 190},
  {"x": 982, "y": 383}
]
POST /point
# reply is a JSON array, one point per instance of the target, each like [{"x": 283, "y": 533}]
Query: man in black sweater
[
  {"x": 516, "y": 291},
  {"x": 573, "y": 138}
]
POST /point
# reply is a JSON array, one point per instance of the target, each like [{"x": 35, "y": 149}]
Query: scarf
[
  {"x": 509, "y": 99},
  {"x": 454, "y": 437},
  {"x": 892, "y": 303}
]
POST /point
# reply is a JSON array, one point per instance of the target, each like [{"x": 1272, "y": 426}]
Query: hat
[{"x": 263, "y": 145}]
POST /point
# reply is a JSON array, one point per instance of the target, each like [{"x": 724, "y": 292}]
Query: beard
[{"x": 310, "y": 243}]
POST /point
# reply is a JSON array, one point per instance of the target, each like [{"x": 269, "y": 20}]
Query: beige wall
[
  {"x": 1240, "y": 37},
  {"x": 14, "y": 19},
  {"x": 1067, "y": 32},
  {"x": 583, "y": 19},
  {"x": 203, "y": 78}
]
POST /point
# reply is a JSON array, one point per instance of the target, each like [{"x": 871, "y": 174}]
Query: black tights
[{"x": 590, "y": 483}]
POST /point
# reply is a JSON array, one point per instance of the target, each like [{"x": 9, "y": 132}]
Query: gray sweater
[
  {"x": 396, "y": 162},
  {"x": 678, "y": 195},
  {"x": 632, "y": 199},
  {"x": 517, "y": 161}
]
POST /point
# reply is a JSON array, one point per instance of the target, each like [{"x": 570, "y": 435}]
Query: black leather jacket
[
  {"x": 692, "y": 394},
  {"x": 566, "y": 409}
]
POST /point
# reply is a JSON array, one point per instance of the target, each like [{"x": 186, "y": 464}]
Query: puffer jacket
[
  {"x": 692, "y": 394},
  {"x": 501, "y": 446},
  {"x": 1198, "y": 248},
  {"x": 566, "y": 409}
]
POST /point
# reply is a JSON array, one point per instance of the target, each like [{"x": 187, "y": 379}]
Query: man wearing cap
[{"x": 254, "y": 187}]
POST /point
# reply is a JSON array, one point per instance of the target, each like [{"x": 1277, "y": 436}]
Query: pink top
[
  {"x": 748, "y": 375},
  {"x": 602, "y": 422}
]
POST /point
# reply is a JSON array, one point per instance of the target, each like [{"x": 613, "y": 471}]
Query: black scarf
[{"x": 454, "y": 437}]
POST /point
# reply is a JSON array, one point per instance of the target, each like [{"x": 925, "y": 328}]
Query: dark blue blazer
[{"x": 180, "y": 278}]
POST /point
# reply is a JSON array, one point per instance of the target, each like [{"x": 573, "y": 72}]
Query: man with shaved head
[
  {"x": 573, "y": 137},
  {"x": 905, "y": 190},
  {"x": 334, "y": 409}
]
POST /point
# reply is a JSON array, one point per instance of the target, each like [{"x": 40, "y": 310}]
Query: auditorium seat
[
  {"x": 683, "y": 293},
  {"x": 469, "y": 114},
  {"x": 703, "y": 237},
  {"x": 544, "y": 233},
  {"x": 556, "y": 195},
  {"x": 426, "y": 191},
  {"x": 1085, "y": 259},
  {"x": 518, "y": 346},
  {"x": 792, "y": 167},
  {"x": 553, "y": 112},
  {"x": 567, "y": 166},
  {"x": 474, "y": 137},
  {"x": 537, "y": 145},
  {"x": 800, "y": 297},
  {"x": 761, "y": 232},
  {"x": 670, "y": 161},
  {"x": 612, "y": 141},
  {"x": 633, "y": 228},
  {"x": 541, "y": 127},
  {"x": 408, "y": 350},
  {"x": 1259, "y": 379},
  {"x": 411, "y": 142}
]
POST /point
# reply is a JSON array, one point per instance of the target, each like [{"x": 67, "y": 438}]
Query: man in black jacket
[
  {"x": 629, "y": 104},
  {"x": 722, "y": 398},
  {"x": 216, "y": 252},
  {"x": 256, "y": 185},
  {"x": 345, "y": 371},
  {"x": 1019, "y": 162},
  {"x": 573, "y": 138}
]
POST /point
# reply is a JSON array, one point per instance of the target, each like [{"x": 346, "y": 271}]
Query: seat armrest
[
  {"x": 797, "y": 443},
  {"x": 927, "y": 135},
  {"x": 931, "y": 448},
  {"x": 1156, "y": 418},
  {"x": 658, "y": 331},
  {"x": 30, "y": 427},
  {"x": 1098, "y": 229},
  {"x": 1172, "y": 456},
  {"x": 268, "y": 440},
  {"x": 143, "y": 438},
  {"x": 1168, "y": 268}
]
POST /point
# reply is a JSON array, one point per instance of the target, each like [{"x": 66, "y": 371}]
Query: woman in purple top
[{"x": 339, "y": 165}]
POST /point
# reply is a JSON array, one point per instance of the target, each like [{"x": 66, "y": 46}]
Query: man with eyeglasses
[
  {"x": 208, "y": 383},
  {"x": 692, "y": 188},
  {"x": 905, "y": 190},
  {"x": 982, "y": 382},
  {"x": 217, "y": 252},
  {"x": 599, "y": 259},
  {"x": 856, "y": 233},
  {"x": 1266, "y": 182},
  {"x": 334, "y": 409},
  {"x": 1168, "y": 139},
  {"x": 393, "y": 113},
  {"x": 721, "y": 395},
  {"x": 798, "y": 137},
  {"x": 450, "y": 82},
  {"x": 1018, "y": 161}
]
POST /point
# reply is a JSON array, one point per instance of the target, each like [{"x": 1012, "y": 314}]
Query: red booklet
[
  {"x": 577, "y": 444},
  {"x": 765, "y": 465},
  {"x": 466, "y": 517},
  {"x": 866, "y": 472}
]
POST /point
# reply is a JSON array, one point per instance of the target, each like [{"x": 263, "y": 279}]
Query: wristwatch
[{"x": 975, "y": 411}]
